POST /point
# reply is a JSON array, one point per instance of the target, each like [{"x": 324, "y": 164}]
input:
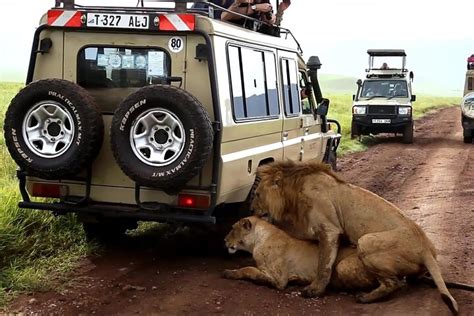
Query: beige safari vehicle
[
  {"x": 159, "y": 114},
  {"x": 467, "y": 104}
]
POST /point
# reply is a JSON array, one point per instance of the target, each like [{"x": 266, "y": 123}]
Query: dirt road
[{"x": 170, "y": 273}]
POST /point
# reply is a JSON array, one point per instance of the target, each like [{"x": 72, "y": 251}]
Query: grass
[
  {"x": 340, "y": 109},
  {"x": 37, "y": 249}
]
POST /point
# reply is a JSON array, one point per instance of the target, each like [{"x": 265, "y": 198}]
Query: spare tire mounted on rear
[
  {"x": 161, "y": 136},
  {"x": 53, "y": 129}
]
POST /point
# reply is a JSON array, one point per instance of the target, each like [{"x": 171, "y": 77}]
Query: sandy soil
[{"x": 173, "y": 271}]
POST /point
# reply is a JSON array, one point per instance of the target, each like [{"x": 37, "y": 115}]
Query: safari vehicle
[
  {"x": 467, "y": 105},
  {"x": 159, "y": 114},
  {"x": 383, "y": 103}
]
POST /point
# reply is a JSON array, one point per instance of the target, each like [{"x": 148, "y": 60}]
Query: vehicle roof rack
[
  {"x": 386, "y": 72},
  {"x": 387, "y": 52},
  {"x": 180, "y": 6}
]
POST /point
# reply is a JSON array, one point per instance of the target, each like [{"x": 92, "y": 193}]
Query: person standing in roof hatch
[
  {"x": 217, "y": 13},
  {"x": 257, "y": 9}
]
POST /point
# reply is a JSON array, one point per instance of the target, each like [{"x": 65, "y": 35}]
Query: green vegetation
[
  {"x": 37, "y": 249},
  {"x": 341, "y": 107}
]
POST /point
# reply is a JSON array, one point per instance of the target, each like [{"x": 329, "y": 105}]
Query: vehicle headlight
[
  {"x": 404, "y": 110},
  {"x": 358, "y": 109},
  {"x": 467, "y": 105}
]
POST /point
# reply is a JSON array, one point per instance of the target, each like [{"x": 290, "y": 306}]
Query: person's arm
[
  {"x": 245, "y": 7},
  {"x": 281, "y": 8},
  {"x": 235, "y": 7}
]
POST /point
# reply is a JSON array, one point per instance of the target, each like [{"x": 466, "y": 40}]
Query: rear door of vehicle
[{"x": 107, "y": 53}]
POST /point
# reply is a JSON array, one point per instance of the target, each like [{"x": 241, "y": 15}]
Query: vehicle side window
[
  {"x": 254, "y": 84},
  {"x": 306, "y": 100},
  {"x": 470, "y": 83},
  {"x": 290, "y": 87}
]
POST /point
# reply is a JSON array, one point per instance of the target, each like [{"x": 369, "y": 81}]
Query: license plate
[
  {"x": 124, "y": 21},
  {"x": 381, "y": 121}
]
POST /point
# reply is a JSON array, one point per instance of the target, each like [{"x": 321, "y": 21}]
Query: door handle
[
  {"x": 306, "y": 131},
  {"x": 285, "y": 135}
]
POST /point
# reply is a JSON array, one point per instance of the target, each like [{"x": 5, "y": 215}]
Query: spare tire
[
  {"x": 53, "y": 128},
  {"x": 161, "y": 136}
]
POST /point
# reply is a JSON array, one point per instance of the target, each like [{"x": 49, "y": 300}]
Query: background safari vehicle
[
  {"x": 160, "y": 114},
  {"x": 383, "y": 103},
  {"x": 467, "y": 105}
]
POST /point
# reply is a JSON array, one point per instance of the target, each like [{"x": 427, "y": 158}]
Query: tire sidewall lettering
[
  {"x": 129, "y": 112},
  {"x": 66, "y": 102},
  {"x": 183, "y": 161},
  {"x": 18, "y": 146}
]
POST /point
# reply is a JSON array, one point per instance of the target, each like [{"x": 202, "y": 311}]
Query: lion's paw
[
  {"x": 229, "y": 274},
  {"x": 362, "y": 298},
  {"x": 310, "y": 291}
]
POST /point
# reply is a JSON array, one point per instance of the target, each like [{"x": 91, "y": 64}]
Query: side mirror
[
  {"x": 412, "y": 76},
  {"x": 413, "y": 98},
  {"x": 359, "y": 82},
  {"x": 323, "y": 107},
  {"x": 353, "y": 97}
]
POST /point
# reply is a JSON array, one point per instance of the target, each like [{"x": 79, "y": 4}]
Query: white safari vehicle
[
  {"x": 467, "y": 105},
  {"x": 383, "y": 103},
  {"x": 159, "y": 114}
]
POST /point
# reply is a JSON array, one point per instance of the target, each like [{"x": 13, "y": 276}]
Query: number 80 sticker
[{"x": 176, "y": 44}]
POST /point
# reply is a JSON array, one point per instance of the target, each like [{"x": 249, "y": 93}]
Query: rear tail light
[
  {"x": 46, "y": 190},
  {"x": 196, "y": 201}
]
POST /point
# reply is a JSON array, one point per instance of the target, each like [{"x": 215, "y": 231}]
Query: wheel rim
[
  {"x": 48, "y": 129},
  {"x": 157, "y": 137}
]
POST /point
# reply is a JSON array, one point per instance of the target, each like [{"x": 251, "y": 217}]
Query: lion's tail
[{"x": 433, "y": 268}]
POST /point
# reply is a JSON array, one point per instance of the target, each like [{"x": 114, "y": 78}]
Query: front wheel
[
  {"x": 354, "y": 131},
  {"x": 408, "y": 134},
  {"x": 332, "y": 159}
]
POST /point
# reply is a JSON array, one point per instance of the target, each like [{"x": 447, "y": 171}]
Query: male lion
[
  {"x": 310, "y": 202},
  {"x": 281, "y": 258}
]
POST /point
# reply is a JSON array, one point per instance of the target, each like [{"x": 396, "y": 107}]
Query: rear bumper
[
  {"x": 109, "y": 210},
  {"x": 145, "y": 211}
]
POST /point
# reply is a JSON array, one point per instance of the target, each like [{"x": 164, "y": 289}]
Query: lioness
[
  {"x": 281, "y": 258},
  {"x": 310, "y": 202}
]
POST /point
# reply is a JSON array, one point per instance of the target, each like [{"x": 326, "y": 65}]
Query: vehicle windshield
[{"x": 384, "y": 89}]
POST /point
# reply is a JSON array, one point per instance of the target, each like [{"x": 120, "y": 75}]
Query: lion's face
[
  {"x": 240, "y": 237},
  {"x": 268, "y": 202}
]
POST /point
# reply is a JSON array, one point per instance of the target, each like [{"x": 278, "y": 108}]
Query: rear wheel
[
  {"x": 408, "y": 134},
  {"x": 107, "y": 230},
  {"x": 354, "y": 130}
]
